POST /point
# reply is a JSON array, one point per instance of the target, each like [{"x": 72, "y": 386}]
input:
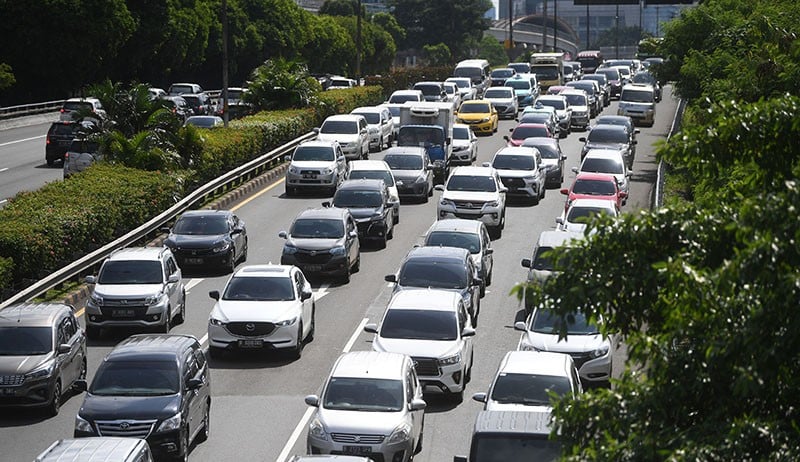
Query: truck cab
[{"x": 429, "y": 125}]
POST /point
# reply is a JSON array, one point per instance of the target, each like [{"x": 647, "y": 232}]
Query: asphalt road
[
  {"x": 257, "y": 410},
  {"x": 22, "y": 165}
]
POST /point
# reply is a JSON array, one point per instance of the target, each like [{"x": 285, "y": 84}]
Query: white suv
[
  {"x": 638, "y": 101},
  {"x": 380, "y": 125},
  {"x": 350, "y": 131},
  {"x": 475, "y": 193},
  {"x": 433, "y": 327},
  {"x": 521, "y": 171},
  {"x": 316, "y": 164},
  {"x": 371, "y": 405},
  {"x": 136, "y": 287}
]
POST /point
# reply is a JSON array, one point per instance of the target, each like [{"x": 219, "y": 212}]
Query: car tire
[
  {"x": 206, "y": 431},
  {"x": 297, "y": 351},
  {"x": 495, "y": 232},
  {"x": 390, "y": 234},
  {"x": 346, "y": 274},
  {"x": 290, "y": 191},
  {"x": 489, "y": 277},
  {"x": 468, "y": 373},
  {"x": 313, "y": 329},
  {"x": 164, "y": 328},
  {"x": 244, "y": 253},
  {"x": 483, "y": 289},
  {"x": 181, "y": 316},
  {"x": 183, "y": 455},
  {"x": 418, "y": 447},
  {"x": 231, "y": 262},
  {"x": 357, "y": 265},
  {"x": 50, "y": 162},
  {"x": 397, "y": 217},
  {"x": 92, "y": 332},
  {"x": 82, "y": 374},
  {"x": 54, "y": 405},
  {"x": 382, "y": 242},
  {"x": 457, "y": 397}
]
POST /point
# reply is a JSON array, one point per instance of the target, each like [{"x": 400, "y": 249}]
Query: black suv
[
  {"x": 155, "y": 387},
  {"x": 59, "y": 136},
  {"x": 42, "y": 355},
  {"x": 200, "y": 103},
  {"x": 208, "y": 238},
  {"x": 369, "y": 203}
]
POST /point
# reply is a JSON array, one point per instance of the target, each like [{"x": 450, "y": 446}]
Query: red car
[
  {"x": 556, "y": 89},
  {"x": 527, "y": 130},
  {"x": 588, "y": 185}
]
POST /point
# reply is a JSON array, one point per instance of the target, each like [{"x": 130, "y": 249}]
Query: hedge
[{"x": 403, "y": 79}]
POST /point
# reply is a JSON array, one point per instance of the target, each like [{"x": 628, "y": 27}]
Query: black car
[
  {"x": 208, "y": 238},
  {"x": 42, "y": 355},
  {"x": 200, "y": 103},
  {"x": 610, "y": 137},
  {"x": 499, "y": 76},
  {"x": 624, "y": 121},
  {"x": 153, "y": 386},
  {"x": 59, "y": 136},
  {"x": 412, "y": 170},
  {"x": 369, "y": 203},
  {"x": 178, "y": 106}
]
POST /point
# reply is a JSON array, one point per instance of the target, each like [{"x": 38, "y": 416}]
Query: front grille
[
  {"x": 468, "y": 205},
  {"x": 501, "y": 108},
  {"x": 580, "y": 359},
  {"x": 11, "y": 379},
  {"x": 428, "y": 367},
  {"x": 126, "y": 428},
  {"x": 310, "y": 172},
  {"x": 357, "y": 438},
  {"x": 250, "y": 329},
  {"x": 183, "y": 252},
  {"x": 123, "y": 312},
  {"x": 513, "y": 182},
  {"x": 123, "y": 302},
  {"x": 312, "y": 256}
]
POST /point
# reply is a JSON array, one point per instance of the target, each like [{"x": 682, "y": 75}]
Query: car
[
  {"x": 555, "y": 89},
  {"x": 323, "y": 241},
  {"x": 156, "y": 93},
  {"x": 350, "y": 131},
  {"x": 569, "y": 72},
  {"x": 208, "y": 238},
  {"x": 329, "y": 458},
  {"x": 465, "y": 145},
  {"x": 235, "y": 96},
  {"x": 465, "y": 88},
  {"x": 369, "y": 204},
  {"x": 481, "y": 116},
  {"x": 549, "y": 119},
  {"x": 609, "y": 161},
  {"x": 97, "y": 448},
  {"x": 337, "y": 82},
  {"x": 394, "y": 110},
  {"x": 577, "y": 69},
  {"x": 475, "y": 193},
  {"x": 590, "y": 350},
  {"x": 609, "y": 137},
  {"x": 448, "y": 268},
  {"x": 155, "y": 387},
  {"x": 262, "y": 307},
  {"x": 520, "y": 67},
  {"x": 500, "y": 75},
  {"x": 512, "y": 435},
  {"x": 477, "y": 70},
  {"x": 433, "y": 328},
  {"x": 504, "y": 101},
  {"x": 589, "y": 185},
  {"x": 625, "y": 73},
  {"x": 552, "y": 159},
  {"x": 624, "y": 121},
  {"x": 43, "y": 351},
  {"x": 525, "y": 380},
  {"x": 412, "y": 170},
  {"x": 615, "y": 80},
  {"x": 619, "y": 63},
  {"x": 638, "y": 102},
  {"x": 401, "y": 96},
  {"x": 605, "y": 86},
  {"x": 563, "y": 110},
  {"x": 453, "y": 93},
  {"x": 200, "y": 103},
  {"x": 579, "y": 103},
  {"x": 581, "y": 212},
  {"x": 58, "y": 139},
  {"x": 204, "y": 121},
  {"x": 178, "y": 106},
  {"x": 471, "y": 235},
  {"x": 552, "y": 121},
  {"x": 593, "y": 93},
  {"x": 380, "y": 125},
  {"x": 79, "y": 109},
  {"x": 521, "y": 171},
  {"x": 136, "y": 287},
  {"x": 315, "y": 164},
  {"x": 541, "y": 265},
  {"x": 377, "y": 170},
  {"x": 527, "y": 130},
  {"x": 177, "y": 89},
  {"x": 647, "y": 78},
  {"x": 81, "y": 154},
  {"x": 370, "y": 405},
  {"x": 524, "y": 90}
]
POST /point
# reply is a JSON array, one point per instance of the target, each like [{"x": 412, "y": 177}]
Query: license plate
[
  {"x": 357, "y": 450},
  {"x": 308, "y": 175},
  {"x": 312, "y": 268},
  {"x": 251, "y": 343},
  {"x": 194, "y": 261},
  {"x": 7, "y": 391},
  {"x": 123, "y": 313}
]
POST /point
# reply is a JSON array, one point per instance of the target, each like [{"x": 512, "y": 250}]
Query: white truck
[
  {"x": 549, "y": 69},
  {"x": 429, "y": 125}
]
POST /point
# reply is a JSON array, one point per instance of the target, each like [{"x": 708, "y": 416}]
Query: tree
[
  {"x": 389, "y": 23},
  {"x": 378, "y": 47},
  {"x": 280, "y": 84},
  {"x": 6, "y": 76},
  {"x": 437, "y": 55},
  {"x": 491, "y": 50},
  {"x": 331, "y": 49},
  {"x": 340, "y": 8}
]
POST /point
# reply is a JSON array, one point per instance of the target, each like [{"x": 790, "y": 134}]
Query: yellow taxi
[{"x": 480, "y": 115}]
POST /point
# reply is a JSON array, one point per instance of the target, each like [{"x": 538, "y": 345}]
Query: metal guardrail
[
  {"x": 658, "y": 193},
  {"x": 84, "y": 263},
  {"x": 30, "y": 109}
]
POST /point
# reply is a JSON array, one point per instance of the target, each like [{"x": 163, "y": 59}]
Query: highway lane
[
  {"x": 258, "y": 400},
  {"x": 22, "y": 164}
]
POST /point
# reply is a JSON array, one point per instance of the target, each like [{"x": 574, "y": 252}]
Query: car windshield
[
  {"x": 644, "y": 77},
  {"x": 618, "y": 121},
  {"x": 528, "y": 389},
  {"x": 357, "y": 198},
  {"x": 461, "y": 83},
  {"x": 547, "y": 151},
  {"x": 513, "y": 162},
  {"x": 637, "y": 96},
  {"x": 546, "y": 322},
  {"x": 471, "y": 72},
  {"x": 259, "y": 289},
  {"x": 461, "y": 133},
  {"x": 403, "y": 162},
  {"x": 599, "y": 78},
  {"x": 131, "y": 272},
  {"x": 363, "y": 394},
  {"x": 469, "y": 241},
  {"x": 594, "y": 187},
  {"x": 575, "y": 100},
  {"x": 313, "y": 154},
  {"x": 373, "y": 118},
  {"x": 178, "y": 89},
  {"x": 471, "y": 183},
  {"x": 519, "y": 84},
  {"x": 202, "y": 121},
  {"x": 557, "y": 104},
  {"x": 584, "y": 214},
  {"x": 384, "y": 175},
  {"x": 542, "y": 260},
  {"x": 308, "y": 228},
  {"x": 602, "y": 165},
  {"x": 498, "y": 93},
  {"x": 428, "y": 89},
  {"x": 521, "y": 68},
  {"x": 25, "y": 341},
  {"x": 502, "y": 73},
  {"x": 339, "y": 127},
  {"x": 625, "y": 72},
  {"x": 600, "y": 134},
  {"x": 611, "y": 74},
  {"x": 402, "y": 98},
  {"x": 136, "y": 378},
  {"x": 395, "y": 110},
  {"x": 535, "y": 118},
  {"x": 503, "y": 447},
  {"x": 421, "y": 136},
  {"x": 474, "y": 108},
  {"x": 202, "y": 225},
  {"x": 420, "y": 325},
  {"x": 520, "y": 133},
  {"x": 546, "y": 73},
  {"x": 433, "y": 273}
]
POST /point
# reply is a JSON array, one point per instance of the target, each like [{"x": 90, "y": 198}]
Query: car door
[
  {"x": 426, "y": 162},
  {"x": 351, "y": 239},
  {"x": 413, "y": 391},
  {"x": 363, "y": 135},
  {"x": 301, "y": 285},
  {"x": 388, "y": 209},
  {"x": 170, "y": 267},
  {"x": 486, "y": 251},
  {"x": 341, "y": 164},
  {"x": 237, "y": 229},
  {"x": 192, "y": 398},
  {"x": 466, "y": 342},
  {"x": 74, "y": 338}
]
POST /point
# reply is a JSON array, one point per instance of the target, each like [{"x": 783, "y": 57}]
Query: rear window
[
  {"x": 637, "y": 96},
  {"x": 77, "y": 105},
  {"x": 372, "y": 117},
  {"x": 63, "y": 129}
]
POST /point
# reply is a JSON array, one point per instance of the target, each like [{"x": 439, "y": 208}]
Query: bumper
[
  {"x": 350, "y": 151},
  {"x": 163, "y": 444},
  {"x": 125, "y": 316},
  {"x": 310, "y": 181},
  {"x": 333, "y": 265},
  {"x": 202, "y": 258},
  {"x": 506, "y": 111},
  {"x": 596, "y": 370},
  {"x": 490, "y": 217},
  {"x": 383, "y": 452},
  {"x": 30, "y": 393},
  {"x": 479, "y": 127},
  {"x": 449, "y": 379},
  {"x": 639, "y": 117},
  {"x": 52, "y": 153},
  {"x": 519, "y": 187},
  {"x": 463, "y": 157},
  {"x": 412, "y": 189},
  {"x": 372, "y": 229},
  {"x": 580, "y": 120},
  {"x": 553, "y": 176},
  {"x": 278, "y": 337}
]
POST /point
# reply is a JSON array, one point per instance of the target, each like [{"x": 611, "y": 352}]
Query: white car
[
  {"x": 350, "y": 131},
  {"x": 563, "y": 110},
  {"x": 315, "y": 164},
  {"x": 394, "y": 110},
  {"x": 380, "y": 125},
  {"x": 90, "y": 108},
  {"x": 465, "y": 87},
  {"x": 638, "y": 101},
  {"x": 579, "y": 102},
  {"x": 435, "y": 329},
  {"x": 521, "y": 171},
  {"x": 453, "y": 95},
  {"x": 474, "y": 193},
  {"x": 608, "y": 161},
  {"x": 465, "y": 145},
  {"x": 262, "y": 307},
  {"x": 401, "y": 96},
  {"x": 581, "y": 211},
  {"x": 377, "y": 170},
  {"x": 504, "y": 101},
  {"x": 524, "y": 380}
]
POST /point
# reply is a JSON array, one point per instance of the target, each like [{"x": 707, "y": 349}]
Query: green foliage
[
  {"x": 492, "y": 50},
  {"x": 129, "y": 109},
  {"x": 377, "y": 46},
  {"x": 343, "y": 101},
  {"x": 330, "y": 49},
  {"x": 437, "y": 55},
  {"x": 389, "y": 23},
  {"x": 281, "y": 84},
  {"x": 404, "y": 78},
  {"x": 341, "y": 8},
  {"x": 6, "y": 76}
]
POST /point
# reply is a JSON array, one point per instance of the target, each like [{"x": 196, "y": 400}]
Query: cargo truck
[
  {"x": 549, "y": 69},
  {"x": 429, "y": 125}
]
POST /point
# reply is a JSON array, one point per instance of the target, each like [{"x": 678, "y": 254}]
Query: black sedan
[
  {"x": 369, "y": 204},
  {"x": 208, "y": 238}
]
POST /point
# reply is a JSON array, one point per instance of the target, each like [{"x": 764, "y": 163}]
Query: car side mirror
[
  {"x": 635, "y": 142},
  {"x": 326, "y": 204},
  {"x": 520, "y": 325},
  {"x": 574, "y": 169},
  {"x": 460, "y": 459},
  {"x": 563, "y": 157},
  {"x": 637, "y": 130},
  {"x": 214, "y": 294},
  {"x": 488, "y": 251},
  {"x": 283, "y": 234},
  {"x": 505, "y": 137},
  {"x": 417, "y": 404},
  {"x": 90, "y": 279},
  {"x": 305, "y": 295},
  {"x": 390, "y": 278},
  {"x": 193, "y": 384},
  {"x": 439, "y": 187},
  {"x": 312, "y": 400},
  {"x": 63, "y": 348},
  {"x": 371, "y": 328},
  {"x": 430, "y": 167},
  {"x": 582, "y": 139},
  {"x": 629, "y": 173},
  {"x": 479, "y": 397},
  {"x": 468, "y": 332},
  {"x": 559, "y": 220},
  {"x": 353, "y": 234},
  {"x": 526, "y": 263},
  {"x": 173, "y": 278},
  {"x": 287, "y": 158},
  {"x": 565, "y": 191},
  {"x": 477, "y": 281},
  {"x": 623, "y": 194},
  {"x": 80, "y": 385},
  {"x": 503, "y": 189},
  {"x": 315, "y": 130},
  {"x": 165, "y": 229}
]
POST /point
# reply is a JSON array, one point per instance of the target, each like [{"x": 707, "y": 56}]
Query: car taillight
[
  {"x": 47, "y": 140},
  {"x": 62, "y": 110}
]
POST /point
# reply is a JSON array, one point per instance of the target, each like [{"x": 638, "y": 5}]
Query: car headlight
[
  {"x": 400, "y": 434},
  {"x": 455, "y": 359},
  {"x": 327, "y": 171},
  {"x": 287, "y": 322},
  {"x": 96, "y": 299},
  {"x": 153, "y": 299},
  {"x": 492, "y": 204},
  {"x": 289, "y": 249},
  {"x": 43, "y": 371},
  {"x": 420, "y": 179},
  {"x": 82, "y": 425},
  {"x": 222, "y": 247},
  {"x": 486, "y": 119},
  {"x": 338, "y": 250},
  {"x": 317, "y": 430},
  {"x": 447, "y": 203},
  {"x": 216, "y": 322},
  {"x": 173, "y": 423},
  {"x": 601, "y": 351},
  {"x": 294, "y": 170}
]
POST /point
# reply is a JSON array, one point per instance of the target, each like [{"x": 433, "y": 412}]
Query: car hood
[
  {"x": 477, "y": 196},
  {"x": 129, "y": 407},
  {"x": 516, "y": 173},
  {"x": 364, "y": 213},
  {"x": 550, "y": 161},
  {"x": 473, "y": 115},
  {"x": 407, "y": 175},
  {"x": 255, "y": 311},
  {"x": 315, "y": 164},
  {"x": 500, "y": 100},
  {"x": 315, "y": 244},
  {"x": 186, "y": 241},
  {"x": 413, "y": 347},
  {"x": 580, "y": 108},
  {"x": 359, "y": 422},
  {"x": 495, "y": 406},
  {"x": 20, "y": 365},
  {"x": 596, "y": 145},
  {"x": 340, "y": 137},
  {"x": 127, "y": 290},
  {"x": 539, "y": 276},
  {"x": 571, "y": 344},
  {"x": 460, "y": 143}
]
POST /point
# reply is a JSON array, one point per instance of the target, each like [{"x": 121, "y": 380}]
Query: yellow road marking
[
  {"x": 258, "y": 194},
  {"x": 80, "y": 312}
]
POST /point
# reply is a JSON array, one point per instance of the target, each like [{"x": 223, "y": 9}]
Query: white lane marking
[
  {"x": 3, "y": 169},
  {"x": 322, "y": 291},
  {"x": 22, "y": 140},
  {"x": 298, "y": 430},
  {"x": 204, "y": 339},
  {"x": 193, "y": 282},
  {"x": 3, "y": 201}
]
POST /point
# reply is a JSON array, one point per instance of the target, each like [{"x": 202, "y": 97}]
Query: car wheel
[
  {"x": 489, "y": 277},
  {"x": 495, "y": 232},
  {"x": 483, "y": 289},
  {"x": 205, "y": 432},
  {"x": 357, "y": 266},
  {"x": 390, "y": 234},
  {"x": 82, "y": 375},
  {"x": 181, "y": 317},
  {"x": 543, "y": 191},
  {"x": 457, "y": 397},
  {"x": 92, "y": 332},
  {"x": 50, "y": 162},
  {"x": 468, "y": 374},
  {"x": 183, "y": 455},
  {"x": 164, "y": 328},
  {"x": 55, "y": 400},
  {"x": 383, "y": 241},
  {"x": 290, "y": 191},
  {"x": 346, "y": 274},
  {"x": 313, "y": 329},
  {"x": 397, "y": 216},
  {"x": 297, "y": 351},
  {"x": 418, "y": 447}
]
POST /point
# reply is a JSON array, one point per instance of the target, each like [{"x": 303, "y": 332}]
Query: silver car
[
  {"x": 371, "y": 405},
  {"x": 316, "y": 164}
]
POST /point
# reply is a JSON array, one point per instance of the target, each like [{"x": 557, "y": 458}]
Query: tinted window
[
  {"x": 594, "y": 187},
  {"x": 637, "y": 96},
  {"x": 600, "y": 165},
  {"x": 542, "y": 260},
  {"x": 520, "y": 133},
  {"x": 201, "y": 121},
  {"x": 131, "y": 272},
  {"x": 384, "y": 175},
  {"x": 363, "y": 394},
  {"x": 554, "y": 103},
  {"x": 63, "y": 129},
  {"x": 548, "y": 151},
  {"x": 545, "y": 322},
  {"x": 201, "y": 225},
  {"x": 498, "y": 93},
  {"x": 428, "y": 89},
  {"x": 611, "y": 74},
  {"x": 267, "y": 289},
  {"x": 461, "y": 133},
  {"x": 313, "y": 153},
  {"x": 403, "y": 162},
  {"x": 403, "y": 98},
  {"x": 432, "y": 273},
  {"x": 528, "y": 389},
  {"x": 340, "y": 127},
  {"x": 502, "y": 73},
  {"x": 575, "y": 100},
  {"x": 471, "y": 183},
  {"x": 25, "y": 341},
  {"x": 471, "y": 72},
  {"x": 600, "y": 134},
  {"x": 474, "y": 108},
  {"x": 503, "y": 448},
  {"x": 317, "y": 228},
  {"x": 395, "y": 110},
  {"x": 364, "y": 198},
  {"x": 583, "y": 214},
  {"x": 136, "y": 378},
  {"x": 468, "y": 241},
  {"x": 511, "y": 162},
  {"x": 420, "y": 325},
  {"x": 519, "y": 84},
  {"x": 546, "y": 73},
  {"x": 77, "y": 106},
  {"x": 372, "y": 117}
]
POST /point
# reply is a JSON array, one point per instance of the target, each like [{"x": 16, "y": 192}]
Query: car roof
[
  {"x": 206, "y": 212},
  {"x": 472, "y": 171},
  {"x": 525, "y": 422},
  {"x": 96, "y": 449},
  {"x": 151, "y": 346},
  {"x": 330, "y": 213},
  {"x": 371, "y": 364},
  {"x": 405, "y": 150},
  {"x": 32, "y": 314},
  {"x": 319, "y": 143},
  {"x": 555, "y": 238},
  {"x": 263, "y": 271},
  {"x": 367, "y": 109},
  {"x": 603, "y": 154},
  {"x": 406, "y": 92},
  {"x": 535, "y": 362},
  {"x": 501, "y": 88},
  {"x": 639, "y": 86},
  {"x": 600, "y": 119},
  {"x": 596, "y": 203},
  {"x": 438, "y": 253},
  {"x": 531, "y": 125},
  {"x": 425, "y": 299},
  {"x": 456, "y": 225},
  {"x": 517, "y": 151},
  {"x": 541, "y": 140},
  {"x": 362, "y": 184},
  {"x": 138, "y": 253},
  {"x": 344, "y": 117},
  {"x": 82, "y": 100},
  {"x": 551, "y": 97},
  {"x": 364, "y": 164}
]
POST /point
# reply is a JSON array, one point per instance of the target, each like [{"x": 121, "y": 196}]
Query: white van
[
  {"x": 96, "y": 449},
  {"x": 477, "y": 70}
]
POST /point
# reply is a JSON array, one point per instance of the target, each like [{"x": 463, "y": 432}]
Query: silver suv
[
  {"x": 371, "y": 405},
  {"x": 316, "y": 164},
  {"x": 136, "y": 287}
]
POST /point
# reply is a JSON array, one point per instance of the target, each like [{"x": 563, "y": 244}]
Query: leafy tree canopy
[
  {"x": 492, "y": 50},
  {"x": 341, "y": 8}
]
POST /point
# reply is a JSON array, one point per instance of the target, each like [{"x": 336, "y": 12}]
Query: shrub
[
  {"x": 403, "y": 79},
  {"x": 343, "y": 101}
]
